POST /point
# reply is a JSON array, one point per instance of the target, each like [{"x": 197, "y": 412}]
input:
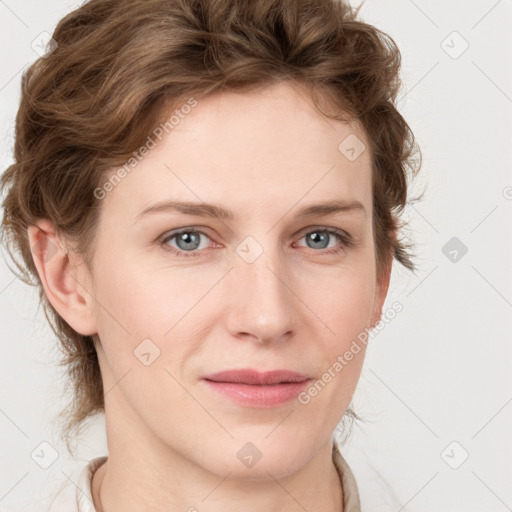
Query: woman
[{"x": 208, "y": 195}]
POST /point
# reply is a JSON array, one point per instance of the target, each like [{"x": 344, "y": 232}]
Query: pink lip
[{"x": 255, "y": 389}]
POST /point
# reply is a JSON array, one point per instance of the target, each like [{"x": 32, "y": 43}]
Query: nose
[{"x": 261, "y": 304}]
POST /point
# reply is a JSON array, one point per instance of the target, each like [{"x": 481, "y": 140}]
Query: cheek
[
  {"x": 344, "y": 303},
  {"x": 144, "y": 325},
  {"x": 159, "y": 304}
]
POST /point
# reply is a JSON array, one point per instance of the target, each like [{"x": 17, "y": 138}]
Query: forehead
[{"x": 260, "y": 150}]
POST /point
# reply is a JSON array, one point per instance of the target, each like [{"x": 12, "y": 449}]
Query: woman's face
[{"x": 266, "y": 289}]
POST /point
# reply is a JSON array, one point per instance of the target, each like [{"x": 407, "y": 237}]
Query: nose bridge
[{"x": 262, "y": 304}]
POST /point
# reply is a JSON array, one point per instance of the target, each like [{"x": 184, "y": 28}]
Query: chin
[{"x": 254, "y": 460}]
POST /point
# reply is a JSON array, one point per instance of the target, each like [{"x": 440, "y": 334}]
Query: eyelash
[{"x": 346, "y": 241}]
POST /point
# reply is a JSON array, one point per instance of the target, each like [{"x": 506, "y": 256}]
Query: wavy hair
[{"x": 119, "y": 67}]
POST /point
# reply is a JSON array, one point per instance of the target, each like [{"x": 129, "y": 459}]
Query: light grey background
[{"x": 440, "y": 371}]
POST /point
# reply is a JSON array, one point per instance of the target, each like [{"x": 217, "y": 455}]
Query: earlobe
[{"x": 63, "y": 284}]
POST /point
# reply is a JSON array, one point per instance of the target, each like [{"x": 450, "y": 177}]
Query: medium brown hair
[{"x": 121, "y": 66}]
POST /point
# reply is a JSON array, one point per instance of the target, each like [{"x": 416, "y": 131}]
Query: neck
[{"x": 132, "y": 480}]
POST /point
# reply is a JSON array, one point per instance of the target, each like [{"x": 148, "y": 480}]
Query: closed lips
[{"x": 255, "y": 378}]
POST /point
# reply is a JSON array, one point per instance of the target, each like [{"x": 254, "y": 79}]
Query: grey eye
[
  {"x": 188, "y": 240},
  {"x": 319, "y": 239}
]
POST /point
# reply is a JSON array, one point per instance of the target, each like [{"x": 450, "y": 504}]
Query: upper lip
[{"x": 250, "y": 376}]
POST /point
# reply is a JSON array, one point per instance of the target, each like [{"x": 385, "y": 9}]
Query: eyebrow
[{"x": 219, "y": 212}]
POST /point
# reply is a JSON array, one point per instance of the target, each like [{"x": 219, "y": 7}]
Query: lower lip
[{"x": 258, "y": 395}]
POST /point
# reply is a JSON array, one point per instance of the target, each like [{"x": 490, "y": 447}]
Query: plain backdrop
[{"x": 435, "y": 388}]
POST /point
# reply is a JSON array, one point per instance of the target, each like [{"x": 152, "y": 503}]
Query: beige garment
[
  {"x": 348, "y": 482},
  {"x": 351, "y": 502}
]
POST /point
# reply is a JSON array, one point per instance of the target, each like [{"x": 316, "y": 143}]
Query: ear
[
  {"x": 64, "y": 282},
  {"x": 381, "y": 289}
]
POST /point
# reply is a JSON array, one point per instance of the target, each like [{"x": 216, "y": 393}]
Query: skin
[{"x": 172, "y": 441}]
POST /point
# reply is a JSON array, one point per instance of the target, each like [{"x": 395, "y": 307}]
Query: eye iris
[
  {"x": 188, "y": 238},
  {"x": 319, "y": 237}
]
